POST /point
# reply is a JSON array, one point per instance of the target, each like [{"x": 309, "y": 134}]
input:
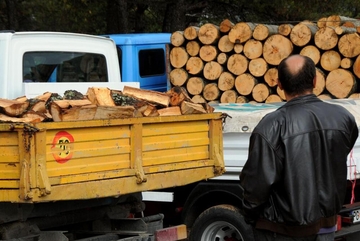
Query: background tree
[{"x": 123, "y": 16}]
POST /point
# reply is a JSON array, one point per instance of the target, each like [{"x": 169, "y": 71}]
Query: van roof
[{"x": 140, "y": 38}]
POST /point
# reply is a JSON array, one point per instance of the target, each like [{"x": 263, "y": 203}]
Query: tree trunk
[
  {"x": 178, "y": 57},
  {"x": 253, "y": 49},
  {"x": 320, "y": 82},
  {"x": 238, "y": 48},
  {"x": 195, "y": 85},
  {"x": 208, "y": 53},
  {"x": 326, "y": 38},
  {"x": 340, "y": 30},
  {"x": 245, "y": 83},
  {"x": 276, "y": 48},
  {"x": 193, "y": 48},
  {"x": 285, "y": 29},
  {"x": 340, "y": 83},
  {"x": 241, "y": 32},
  {"x": 271, "y": 77},
  {"x": 242, "y": 99},
  {"x": 349, "y": 45},
  {"x": 178, "y": 77},
  {"x": 237, "y": 64},
  {"x": 194, "y": 65},
  {"x": 211, "y": 92},
  {"x": 260, "y": 92},
  {"x": 273, "y": 98},
  {"x": 312, "y": 52},
  {"x": 302, "y": 33},
  {"x": 356, "y": 67},
  {"x": 191, "y": 33},
  {"x": 198, "y": 99},
  {"x": 209, "y": 33},
  {"x": 346, "y": 63},
  {"x": 280, "y": 93},
  {"x": 222, "y": 58},
  {"x": 258, "y": 67},
  {"x": 225, "y": 45},
  {"x": 263, "y": 31},
  {"x": 177, "y": 38},
  {"x": 228, "y": 96},
  {"x": 330, "y": 60},
  {"x": 225, "y": 26},
  {"x": 212, "y": 70},
  {"x": 226, "y": 81}
]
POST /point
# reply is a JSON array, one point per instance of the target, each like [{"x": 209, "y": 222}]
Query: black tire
[{"x": 220, "y": 222}]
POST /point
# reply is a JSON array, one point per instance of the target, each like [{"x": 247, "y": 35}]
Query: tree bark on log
[
  {"x": 155, "y": 97},
  {"x": 340, "y": 83},
  {"x": 276, "y": 48},
  {"x": 340, "y": 30},
  {"x": 263, "y": 31}
]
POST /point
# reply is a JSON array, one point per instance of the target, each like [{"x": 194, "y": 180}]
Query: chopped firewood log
[
  {"x": 154, "y": 97},
  {"x": 36, "y": 116},
  {"x": 100, "y": 96},
  {"x": 177, "y": 95},
  {"x": 13, "y": 107},
  {"x": 115, "y": 112},
  {"x": 19, "y": 119},
  {"x": 173, "y": 110},
  {"x": 191, "y": 108},
  {"x": 66, "y": 104},
  {"x": 51, "y": 98},
  {"x": 151, "y": 110},
  {"x": 22, "y": 99},
  {"x": 37, "y": 105},
  {"x": 44, "y": 96}
]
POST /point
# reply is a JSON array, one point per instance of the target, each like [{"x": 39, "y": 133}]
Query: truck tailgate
[{"x": 91, "y": 159}]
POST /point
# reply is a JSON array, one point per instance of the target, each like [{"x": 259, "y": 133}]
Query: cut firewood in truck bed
[{"x": 100, "y": 103}]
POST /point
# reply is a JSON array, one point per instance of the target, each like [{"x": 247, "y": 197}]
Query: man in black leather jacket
[{"x": 294, "y": 180}]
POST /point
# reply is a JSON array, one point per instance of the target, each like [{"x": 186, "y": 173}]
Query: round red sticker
[{"x": 62, "y": 146}]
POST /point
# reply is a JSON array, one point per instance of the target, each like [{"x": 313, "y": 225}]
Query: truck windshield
[{"x": 64, "y": 67}]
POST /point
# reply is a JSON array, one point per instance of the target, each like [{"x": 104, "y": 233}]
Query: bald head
[{"x": 297, "y": 75}]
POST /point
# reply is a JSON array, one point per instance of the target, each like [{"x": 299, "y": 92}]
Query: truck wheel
[{"x": 219, "y": 223}]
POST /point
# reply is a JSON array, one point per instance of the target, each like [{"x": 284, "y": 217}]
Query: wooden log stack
[
  {"x": 100, "y": 103},
  {"x": 237, "y": 62}
]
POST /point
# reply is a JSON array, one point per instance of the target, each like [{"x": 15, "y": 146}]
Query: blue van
[{"x": 143, "y": 58}]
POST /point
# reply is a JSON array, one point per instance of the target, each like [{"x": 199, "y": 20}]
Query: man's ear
[
  {"x": 279, "y": 84},
  {"x": 314, "y": 81}
]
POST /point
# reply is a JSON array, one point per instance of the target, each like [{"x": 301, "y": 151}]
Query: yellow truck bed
[{"x": 54, "y": 161}]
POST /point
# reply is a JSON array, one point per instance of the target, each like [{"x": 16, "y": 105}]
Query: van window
[
  {"x": 64, "y": 67},
  {"x": 151, "y": 62}
]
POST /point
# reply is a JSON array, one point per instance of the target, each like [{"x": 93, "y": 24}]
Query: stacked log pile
[
  {"x": 237, "y": 62},
  {"x": 100, "y": 103}
]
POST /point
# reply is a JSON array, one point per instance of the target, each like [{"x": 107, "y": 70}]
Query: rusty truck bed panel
[{"x": 92, "y": 159}]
